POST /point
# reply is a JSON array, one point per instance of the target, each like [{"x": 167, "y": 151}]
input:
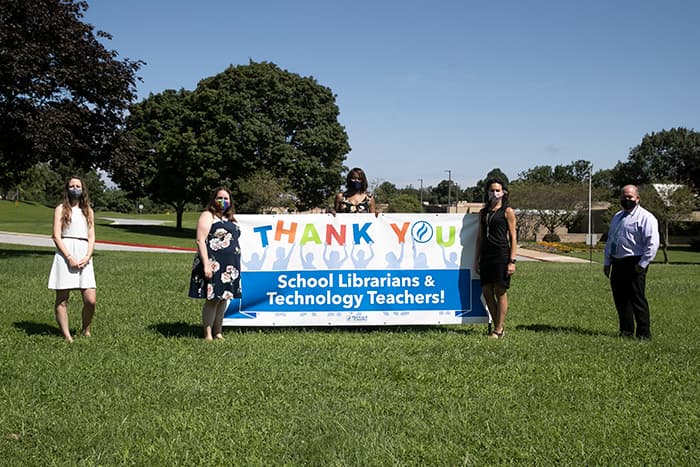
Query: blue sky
[{"x": 425, "y": 87}]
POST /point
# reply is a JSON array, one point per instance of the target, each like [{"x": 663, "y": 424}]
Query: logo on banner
[{"x": 422, "y": 231}]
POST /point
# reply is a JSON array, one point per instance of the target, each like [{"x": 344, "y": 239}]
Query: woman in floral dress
[{"x": 216, "y": 271}]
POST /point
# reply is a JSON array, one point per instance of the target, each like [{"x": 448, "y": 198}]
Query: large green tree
[
  {"x": 62, "y": 93},
  {"x": 247, "y": 120},
  {"x": 668, "y": 156},
  {"x": 164, "y": 161}
]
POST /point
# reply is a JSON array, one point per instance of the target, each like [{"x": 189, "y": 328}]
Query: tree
[
  {"x": 669, "y": 156},
  {"x": 247, "y": 120},
  {"x": 385, "y": 192},
  {"x": 261, "y": 190},
  {"x": 404, "y": 202},
  {"x": 556, "y": 205},
  {"x": 576, "y": 171},
  {"x": 670, "y": 203},
  {"x": 447, "y": 189},
  {"x": 259, "y": 117},
  {"x": 164, "y": 161},
  {"x": 62, "y": 93}
]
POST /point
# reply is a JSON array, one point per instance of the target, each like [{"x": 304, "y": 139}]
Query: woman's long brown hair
[{"x": 83, "y": 203}]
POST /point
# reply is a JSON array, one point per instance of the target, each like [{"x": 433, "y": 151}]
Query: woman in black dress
[
  {"x": 216, "y": 271},
  {"x": 496, "y": 249}
]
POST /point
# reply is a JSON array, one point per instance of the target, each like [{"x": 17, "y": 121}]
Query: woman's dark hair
[
  {"x": 359, "y": 173},
  {"x": 229, "y": 213},
  {"x": 491, "y": 181}
]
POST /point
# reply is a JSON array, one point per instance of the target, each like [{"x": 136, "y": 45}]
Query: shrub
[{"x": 551, "y": 238}]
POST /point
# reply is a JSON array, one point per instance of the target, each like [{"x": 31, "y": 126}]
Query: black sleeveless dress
[
  {"x": 225, "y": 254},
  {"x": 495, "y": 247}
]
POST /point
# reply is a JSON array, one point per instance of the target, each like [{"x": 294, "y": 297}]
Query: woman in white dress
[{"x": 74, "y": 236}]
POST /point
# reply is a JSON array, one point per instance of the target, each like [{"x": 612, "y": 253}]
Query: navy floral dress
[{"x": 225, "y": 255}]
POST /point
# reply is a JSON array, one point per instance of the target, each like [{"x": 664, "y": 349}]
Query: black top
[{"x": 495, "y": 241}]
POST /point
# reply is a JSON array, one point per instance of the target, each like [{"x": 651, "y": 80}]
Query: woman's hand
[{"x": 208, "y": 270}]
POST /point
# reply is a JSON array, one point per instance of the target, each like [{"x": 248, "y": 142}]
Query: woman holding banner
[
  {"x": 355, "y": 198},
  {"x": 496, "y": 248},
  {"x": 216, "y": 271}
]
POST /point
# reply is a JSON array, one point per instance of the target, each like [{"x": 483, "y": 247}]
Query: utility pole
[
  {"x": 449, "y": 189},
  {"x": 590, "y": 216},
  {"x": 421, "y": 194}
]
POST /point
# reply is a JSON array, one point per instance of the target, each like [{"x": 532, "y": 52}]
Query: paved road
[{"x": 45, "y": 240}]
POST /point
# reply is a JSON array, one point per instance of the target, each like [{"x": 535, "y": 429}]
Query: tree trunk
[{"x": 664, "y": 241}]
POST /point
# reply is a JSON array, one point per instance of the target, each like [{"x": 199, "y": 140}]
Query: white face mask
[{"x": 495, "y": 195}]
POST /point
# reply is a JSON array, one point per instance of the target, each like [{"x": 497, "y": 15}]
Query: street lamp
[
  {"x": 449, "y": 188},
  {"x": 421, "y": 194}
]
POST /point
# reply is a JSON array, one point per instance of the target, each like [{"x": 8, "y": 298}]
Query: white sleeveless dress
[{"x": 75, "y": 238}]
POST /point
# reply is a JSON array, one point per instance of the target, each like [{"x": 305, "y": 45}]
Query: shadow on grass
[
  {"x": 37, "y": 329},
  {"x": 189, "y": 330},
  {"x": 19, "y": 252},
  {"x": 177, "y": 329},
  {"x": 158, "y": 230},
  {"x": 563, "y": 329}
]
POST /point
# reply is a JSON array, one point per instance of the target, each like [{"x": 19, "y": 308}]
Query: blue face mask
[
  {"x": 356, "y": 185},
  {"x": 74, "y": 193}
]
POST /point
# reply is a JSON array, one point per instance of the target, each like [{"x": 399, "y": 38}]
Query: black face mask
[
  {"x": 628, "y": 204},
  {"x": 74, "y": 194}
]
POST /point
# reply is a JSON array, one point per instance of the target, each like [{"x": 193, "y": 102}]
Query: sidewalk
[
  {"x": 537, "y": 255},
  {"x": 45, "y": 240}
]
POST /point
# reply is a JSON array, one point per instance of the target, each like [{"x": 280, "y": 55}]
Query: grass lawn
[
  {"x": 147, "y": 390},
  {"x": 33, "y": 218}
]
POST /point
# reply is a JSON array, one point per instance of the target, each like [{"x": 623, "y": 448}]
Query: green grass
[
  {"x": 147, "y": 390},
  {"x": 33, "y": 218}
]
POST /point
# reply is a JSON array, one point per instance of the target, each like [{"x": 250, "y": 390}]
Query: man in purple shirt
[{"x": 633, "y": 239}]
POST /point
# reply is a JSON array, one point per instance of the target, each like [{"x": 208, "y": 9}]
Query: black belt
[{"x": 77, "y": 238}]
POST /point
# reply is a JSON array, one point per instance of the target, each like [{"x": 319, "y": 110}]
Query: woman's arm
[
  {"x": 512, "y": 233},
  {"x": 477, "y": 246},
  {"x": 58, "y": 239},
  {"x": 91, "y": 240},
  {"x": 203, "y": 227}
]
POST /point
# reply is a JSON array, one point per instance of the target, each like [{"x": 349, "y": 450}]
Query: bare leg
[
  {"x": 89, "y": 302},
  {"x": 61, "y": 311},
  {"x": 502, "y": 298},
  {"x": 217, "y": 328},
  {"x": 491, "y": 304},
  {"x": 208, "y": 316}
]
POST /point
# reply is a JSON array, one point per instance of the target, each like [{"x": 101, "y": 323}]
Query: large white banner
[{"x": 357, "y": 269}]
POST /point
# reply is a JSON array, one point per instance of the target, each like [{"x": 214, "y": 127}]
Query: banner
[{"x": 357, "y": 269}]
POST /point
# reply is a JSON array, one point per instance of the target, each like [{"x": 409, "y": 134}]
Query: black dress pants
[{"x": 628, "y": 288}]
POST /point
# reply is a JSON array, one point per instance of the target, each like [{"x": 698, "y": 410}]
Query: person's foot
[
  {"x": 68, "y": 338},
  {"x": 497, "y": 334},
  {"x": 219, "y": 337}
]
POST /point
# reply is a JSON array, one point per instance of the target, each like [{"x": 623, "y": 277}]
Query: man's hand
[{"x": 606, "y": 271}]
